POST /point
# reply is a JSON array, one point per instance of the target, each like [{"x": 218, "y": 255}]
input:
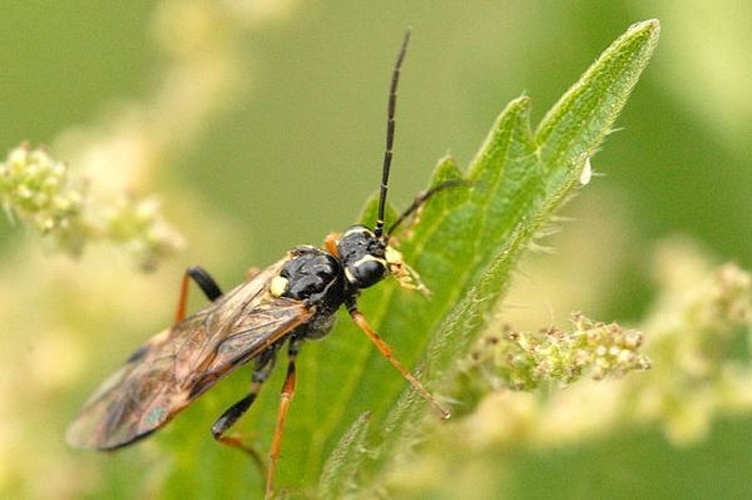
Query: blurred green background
[{"x": 293, "y": 147}]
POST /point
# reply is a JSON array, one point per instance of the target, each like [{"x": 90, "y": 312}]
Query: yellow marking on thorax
[{"x": 278, "y": 285}]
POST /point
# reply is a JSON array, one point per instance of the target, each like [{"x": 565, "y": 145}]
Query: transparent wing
[{"x": 177, "y": 365}]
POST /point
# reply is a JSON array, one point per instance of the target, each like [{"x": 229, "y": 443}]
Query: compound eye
[{"x": 367, "y": 271}]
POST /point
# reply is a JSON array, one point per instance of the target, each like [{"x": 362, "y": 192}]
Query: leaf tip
[{"x": 651, "y": 28}]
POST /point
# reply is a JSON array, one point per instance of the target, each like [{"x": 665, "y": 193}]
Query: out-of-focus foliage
[
  {"x": 41, "y": 194},
  {"x": 242, "y": 116}
]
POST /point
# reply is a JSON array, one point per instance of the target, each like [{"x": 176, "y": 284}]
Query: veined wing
[{"x": 174, "y": 367}]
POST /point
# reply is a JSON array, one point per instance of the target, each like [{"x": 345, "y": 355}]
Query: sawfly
[{"x": 290, "y": 301}]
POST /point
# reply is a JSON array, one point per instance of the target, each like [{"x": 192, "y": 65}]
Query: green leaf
[
  {"x": 468, "y": 239},
  {"x": 339, "y": 477}
]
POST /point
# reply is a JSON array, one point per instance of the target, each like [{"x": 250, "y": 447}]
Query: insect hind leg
[{"x": 205, "y": 282}]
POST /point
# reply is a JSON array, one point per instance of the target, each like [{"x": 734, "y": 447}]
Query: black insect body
[{"x": 290, "y": 301}]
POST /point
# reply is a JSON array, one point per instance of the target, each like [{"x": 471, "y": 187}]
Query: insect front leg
[
  {"x": 205, "y": 282},
  {"x": 388, "y": 353}
]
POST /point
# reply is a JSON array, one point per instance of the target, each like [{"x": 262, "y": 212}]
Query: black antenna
[
  {"x": 420, "y": 200},
  {"x": 388, "y": 152}
]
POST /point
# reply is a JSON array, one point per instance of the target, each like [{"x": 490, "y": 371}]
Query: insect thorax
[{"x": 312, "y": 275}]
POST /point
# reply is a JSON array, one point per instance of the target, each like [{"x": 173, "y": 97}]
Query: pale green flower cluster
[
  {"x": 39, "y": 192},
  {"x": 700, "y": 341},
  {"x": 524, "y": 360},
  {"x": 138, "y": 225},
  {"x": 698, "y": 338}
]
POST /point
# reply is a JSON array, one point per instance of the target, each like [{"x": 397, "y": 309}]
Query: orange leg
[
  {"x": 386, "y": 351},
  {"x": 288, "y": 389},
  {"x": 180, "y": 311},
  {"x": 264, "y": 366},
  {"x": 204, "y": 281}
]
